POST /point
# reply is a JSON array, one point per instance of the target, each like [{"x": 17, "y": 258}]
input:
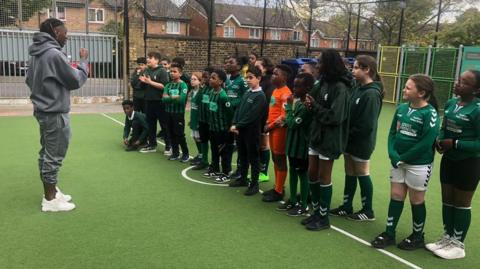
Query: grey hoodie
[{"x": 50, "y": 77}]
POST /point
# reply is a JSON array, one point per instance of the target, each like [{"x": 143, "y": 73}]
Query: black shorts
[
  {"x": 463, "y": 174},
  {"x": 301, "y": 165}
]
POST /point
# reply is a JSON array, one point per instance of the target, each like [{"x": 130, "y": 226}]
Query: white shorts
[
  {"x": 195, "y": 134},
  {"x": 414, "y": 176},
  {"x": 316, "y": 153},
  {"x": 358, "y": 160}
]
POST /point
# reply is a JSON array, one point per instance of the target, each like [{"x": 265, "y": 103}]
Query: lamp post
[
  {"x": 403, "y": 5},
  {"x": 312, "y": 5},
  {"x": 347, "y": 46},
  {"x": 438, "y": 24}
]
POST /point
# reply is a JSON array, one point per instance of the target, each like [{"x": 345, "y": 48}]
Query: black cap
[{"x": 141, "y": 60}]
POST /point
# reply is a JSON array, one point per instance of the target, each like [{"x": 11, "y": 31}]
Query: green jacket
[
  {"x": 248, "y": 113},
  {"x": 298, "y": 121},
  {"x": 365, "y": 107},
  {"x": 137, "y": 85},
  {"x": 330, "y": 112},
  {"x": 139, "y": 127},
  {"x": 160, "y": 75},
  {"x": 462, "y": 124}
]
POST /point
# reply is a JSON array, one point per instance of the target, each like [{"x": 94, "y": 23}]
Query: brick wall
[{"x": 194, "y": 49}]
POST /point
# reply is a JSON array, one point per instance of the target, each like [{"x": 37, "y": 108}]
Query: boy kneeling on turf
[
  {"x": 137, "y": 122},
  {"x": 247, "y": 125}
]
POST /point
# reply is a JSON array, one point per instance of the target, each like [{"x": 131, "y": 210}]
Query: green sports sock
[
  {"x": 349, "y": 192},
  {"x": 394, "y": 212},
  {"x": 447, "y": 216},
  {"x": 366, "y": 191},
  {"x": 204, "y": 152},
  {"x": 264, "y": 161},
  {"x": 419, "y": 215},
  {"x": 325, "y": 199},
  {"x": 293, "y": 180},
  {"x": 199, "y": 147},
  {"x": 462, "y": 218},
  {"x": 315, "y": 189},
  {"x": 304, "y": 188}
]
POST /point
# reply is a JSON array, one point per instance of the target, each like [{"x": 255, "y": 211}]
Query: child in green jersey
[
  {"x": 195, "y": 102},
  {"x": 298, "y": 120},
  {"x": 175, "y": 98},
  {"x": 203, "y": 128},
  {"x": 247, "y": 125},
  {"x": 365, "y": 107},
  {"x": 329, "y": 104},
  {"x": 136, "y": 122},
  {"x": 459, "y": 141},
  {"x": 411, "y": 150},
  {"x": 218, "y": 123}
]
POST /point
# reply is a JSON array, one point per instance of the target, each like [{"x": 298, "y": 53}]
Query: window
[
  {"x": 254, "y": 33},
  {"x": 314, "y": 43},
  {"x": 173, "y": 27},
  {"x": 95, "y": 15},
  {"x": 228, "y": 31},
  {"x": 334, "y": 44},
  {"x": 276, "y": 35},
  {"x": 61, "y": 13},
  {"x": 362, "y": 45},
  {"x": 297, "y": 35}
]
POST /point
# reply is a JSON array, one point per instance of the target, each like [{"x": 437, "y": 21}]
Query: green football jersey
[
  {"x": 218, "y": 109},
  {"x": 175, "y": 97},
  {"x": 235, "y": 89},
  {"x": 203, "y": 107},
  {"x": 462, "y": 123},
  {"x": 298, "y": 122},
  {"x": 412, "y": 135}
]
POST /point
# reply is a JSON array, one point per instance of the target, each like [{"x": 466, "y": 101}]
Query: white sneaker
[
  {"x": 148, "y": 150},
  {"x": 454, "y": 250},
  {"x": 168, "y": 152},
  {"x": 443, "y": 242},
  {"x": 56, "y": 205},
  {"x": 62, "y": 196}
]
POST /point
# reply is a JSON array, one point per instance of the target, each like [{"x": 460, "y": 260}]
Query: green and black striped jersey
[
  {"x": 203, "y": 107},
  {"x": 175, "y": 97},
  {"x": 195, "y": 101},
  {"x": 462, "y": 123},
  {"x": 298, "y": 120},
  {"x": 218, "y": 111},
  {"x": 412, "y": 135}
]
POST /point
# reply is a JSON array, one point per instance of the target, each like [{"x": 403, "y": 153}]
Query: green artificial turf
[{"x": 137, "y": 211}]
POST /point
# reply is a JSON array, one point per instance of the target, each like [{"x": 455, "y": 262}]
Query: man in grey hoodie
[{"x": 50, "y": 78}]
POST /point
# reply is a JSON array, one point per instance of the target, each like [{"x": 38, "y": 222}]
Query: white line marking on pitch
[{"x": 358, "y": 239}]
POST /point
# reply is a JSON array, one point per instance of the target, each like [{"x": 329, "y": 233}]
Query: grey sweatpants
[{"x": 55, "y": 135}]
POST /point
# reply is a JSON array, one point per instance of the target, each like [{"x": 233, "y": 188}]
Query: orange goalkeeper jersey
[{"x": 277, "y": 104}]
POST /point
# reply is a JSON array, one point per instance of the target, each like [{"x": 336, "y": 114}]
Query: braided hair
[{"x": 49, "y": 25}]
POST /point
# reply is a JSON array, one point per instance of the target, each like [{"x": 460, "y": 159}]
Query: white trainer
[
  {"x": 454, "y": 250},
  {"x": 443, "y": 242},
  {"x": 56, "y": 205},
  {"x": 168, "y": 152},
  {"x": 62, "y": 196}
]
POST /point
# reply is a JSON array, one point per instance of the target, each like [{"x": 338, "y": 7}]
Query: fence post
[
  {"x": 20, "y": 15},
  {"x": 399, "y": 74},
  {"x": 429, "y": 60},
  {"x": 379, "y": 48},
  {"x": 459, "y": 62}
]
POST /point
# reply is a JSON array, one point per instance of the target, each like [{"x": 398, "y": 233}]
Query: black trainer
[
  {"x": 318, "y": 224},
  {"x": 340, "y": 212},
  {"x": 298, "y": 211},
  {"x": 222, "y": 178},
  {"x": 236, "y": 174},
  {"x": 185, "y": 158},
  {"x": 200, "y": 166},
  {"x": 268, "y": 192},
  {"x": 239, "y": 182},
  {"x": 174, "y": 157},
  {"x": 252, "y": 189},
  {"x": 313, "y": 217},
  {"x": 362, "y": 215},
  {"x": 273, "y": 197},
  {"x": 412, "y": 242},
  {"x": 285, "y": 206},
  {"x": 210, "y": 172},
  {"x": 383, "y": 240}
]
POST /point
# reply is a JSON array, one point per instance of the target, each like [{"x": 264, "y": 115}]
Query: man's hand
[
  {"x": 446, "y": 144},
  {"x": 146, "y": 79},
  {"x": 309, "y": 101},
  {"x": 83, "y": 53},
  {"x": 136, "y": 143},
  {"x": 125, "y": 141},
  {"x": 290, "y": 99},
  {"x": 234, "y": 129}
]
